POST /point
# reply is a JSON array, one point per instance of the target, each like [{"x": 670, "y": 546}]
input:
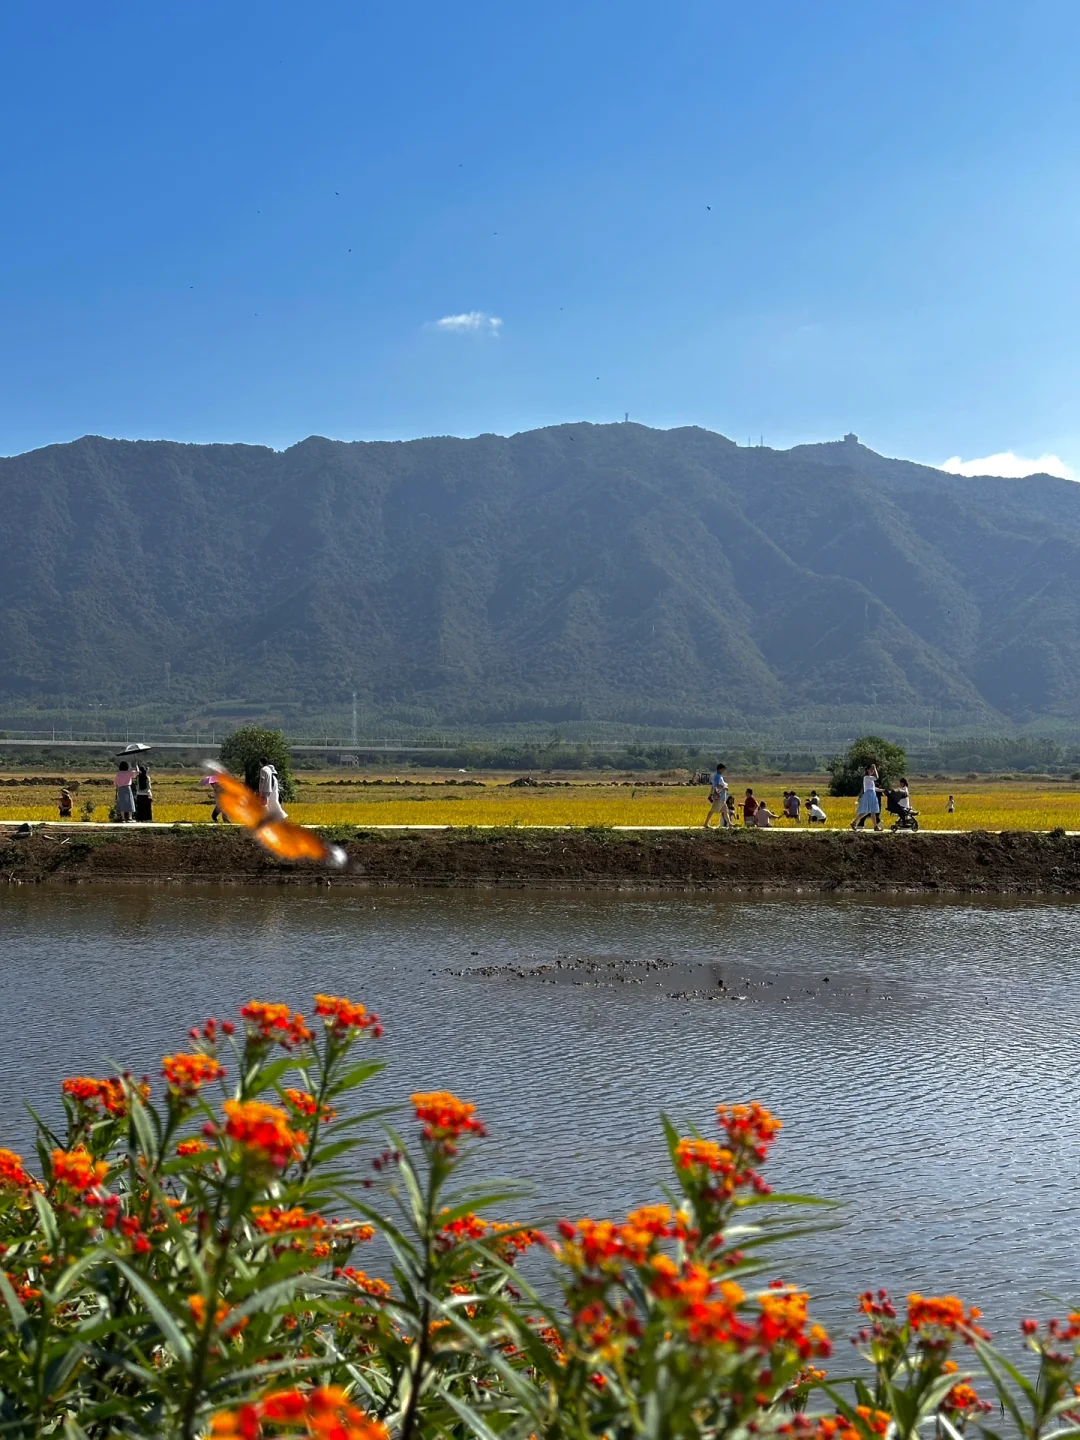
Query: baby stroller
[{"x": 898, "y": 804}]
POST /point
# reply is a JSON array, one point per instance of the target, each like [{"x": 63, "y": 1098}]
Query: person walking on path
[
  {"x": 718, "y": 798},
  {"x": 124, "y": 804},
  {"x": 210, "y": 781},
  {"x": 869, "y": 804},
  {"x": 269, "y": 790},
  {"x": 144, "y": 795}
]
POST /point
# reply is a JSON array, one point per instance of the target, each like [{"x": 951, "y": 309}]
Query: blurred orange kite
[{"x": 281, "y": 837}]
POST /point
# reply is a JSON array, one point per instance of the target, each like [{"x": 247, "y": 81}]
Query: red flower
[
  {"x": 78, "y": 1170},
  {"x": 105, "y": 1095},
  {"x": 445, "y": 1118},
  {"x": 13, "y": 1174},
  {"x": 263, "y": 1130},
  {"x": 341, "y": 1016},
  {"x": 324, "y": 1414},
  {"x": 187, "y": 1074},
  {"x": 267, "y": 1023},
  {"x": 944, "y": 1312}
]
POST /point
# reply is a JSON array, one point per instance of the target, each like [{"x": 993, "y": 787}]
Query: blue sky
[{"x": 241, "y": 222}]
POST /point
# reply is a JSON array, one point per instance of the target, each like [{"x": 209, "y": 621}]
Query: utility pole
[{"x": 354, "y": 741}]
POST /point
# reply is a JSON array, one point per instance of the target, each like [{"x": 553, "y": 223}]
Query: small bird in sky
[{"x": 708, "y": 207}]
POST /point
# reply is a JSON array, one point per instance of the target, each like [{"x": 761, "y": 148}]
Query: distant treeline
[
  {"x": 981, "y": 754},
  {"x": 976, "y": 754}
]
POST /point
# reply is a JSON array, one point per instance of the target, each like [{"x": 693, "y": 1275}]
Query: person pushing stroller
[{"x": 898, "y": 803}]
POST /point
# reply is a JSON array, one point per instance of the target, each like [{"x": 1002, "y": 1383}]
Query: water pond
[{"x": 931, "y": 1082}]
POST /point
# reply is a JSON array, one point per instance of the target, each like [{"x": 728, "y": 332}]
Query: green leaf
[
  {"x": 358, "y": 1075},
  {"x": 11, "y": 1300},
  {"x": 158, "y": 1311}
]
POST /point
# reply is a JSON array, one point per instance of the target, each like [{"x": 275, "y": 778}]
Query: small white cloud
[
  {"x": 471, "y": 320},
  {"x": 1010, "y": 466}
]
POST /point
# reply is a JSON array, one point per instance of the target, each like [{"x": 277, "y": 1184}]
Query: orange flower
[
  {"x": 12, "y": 1172},
  {"x": 323, "y": 1414},
  {"x": 444, "y": 1117},
  {"x": 369, "y": 1284},
  {"x": 308, "y": 1105},
  {"x": 341, "y": 1016},
  {"x": 275, "y": 1022},
  {"x": 604, "y": 1244},
  {"x": 106, "y": 1095},
  {"x": 944, "y": 1312},
  {"x": 751, "y": 1125},
  {"x": 186, "y": 1074},
  {"x": 702, "y": 1155},
  {"x": 23, "y": 1290},
  {"x": 964, "y": 1397},
  {"x": 272, "y": 1221},
  {"x": 750, "y": 1130},
  {"x": 77, "y": 1169},
  {"x": 197, "y": 1305},
  {"x": 192, "y": 1147},
  {"x": 263, "y": 1130}
]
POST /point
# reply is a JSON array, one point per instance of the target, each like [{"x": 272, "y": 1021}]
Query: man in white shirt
[{"x": 718, "y": 797}]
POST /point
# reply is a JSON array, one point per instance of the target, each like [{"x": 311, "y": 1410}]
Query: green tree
[
  {"x": 847, "y": 769},
  {"x": 246, "y": 749}
]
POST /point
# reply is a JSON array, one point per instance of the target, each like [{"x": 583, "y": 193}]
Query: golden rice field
[{"x": 1011, "y": 807}]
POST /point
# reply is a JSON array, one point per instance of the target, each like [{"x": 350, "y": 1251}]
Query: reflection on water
[{"x": 931, "y": 1082}]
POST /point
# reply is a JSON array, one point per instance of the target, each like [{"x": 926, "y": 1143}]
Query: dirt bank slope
[{"x": 976, "y": 863}]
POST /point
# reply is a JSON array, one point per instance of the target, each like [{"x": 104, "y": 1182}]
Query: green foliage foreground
[{"x": 186, "y": 1266}]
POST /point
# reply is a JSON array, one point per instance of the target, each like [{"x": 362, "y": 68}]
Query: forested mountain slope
[{"x": 608, "y": 570}]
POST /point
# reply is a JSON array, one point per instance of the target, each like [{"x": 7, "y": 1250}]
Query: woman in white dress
[
  {"x": 269, "y": 790},
  {"x": 869, "y": 804}
]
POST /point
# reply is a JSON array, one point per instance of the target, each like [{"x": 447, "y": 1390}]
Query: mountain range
[{"x": 577, "y": 571}]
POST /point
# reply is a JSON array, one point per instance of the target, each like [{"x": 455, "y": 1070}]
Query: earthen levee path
[{"x": 731, "y": 862}]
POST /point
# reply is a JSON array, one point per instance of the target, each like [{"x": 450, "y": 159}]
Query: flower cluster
[
  {"x": 209, "y": 1031},
  {"x": 323, "y": 1414},
  {"x": 78, "y": 1170},
  {"x": 264, "y": 1131},
  {"x": 937, "y": 1315},
  {"x": 445, "y": 1118},
  {"x": 197, "y": 1306},
  {"x": 186, "y": 1074},
  {"x": 717, "y": 1171},
  {"x": 599, "y": 1245},
  {"x": 268, "y": 1023},
  {"x": 839, "y": 1427},
  {"x": 507, "y": 1240},
  {"x": 107, "y": 1096},
  {"x": 368, "y": 1284},
  {"x": 715, "y": 1312},
  {"x": 192, "y": 1147},
  {"x": 341, "y": 1016},
  {"x": 963, "y": 1400},
  {"x": 13, "y": 1174},
  {"x": 306, "y": 1104}
]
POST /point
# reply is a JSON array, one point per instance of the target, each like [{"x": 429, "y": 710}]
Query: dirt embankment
[{"x": 975, "y": 863}]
